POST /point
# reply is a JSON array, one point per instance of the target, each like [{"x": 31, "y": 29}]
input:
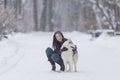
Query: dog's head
[{"x": 68, "y": 44}]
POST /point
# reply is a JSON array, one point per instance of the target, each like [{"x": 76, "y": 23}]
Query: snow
[{"x": 22, "y": 57}]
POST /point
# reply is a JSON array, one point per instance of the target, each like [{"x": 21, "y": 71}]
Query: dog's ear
[{"x": 70, "y": 42}]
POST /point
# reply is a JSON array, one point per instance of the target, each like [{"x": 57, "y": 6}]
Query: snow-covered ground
[{"x": 22, "y": 57}]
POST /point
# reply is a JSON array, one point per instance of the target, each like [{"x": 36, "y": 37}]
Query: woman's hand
[{"x": 74, "y": 49}]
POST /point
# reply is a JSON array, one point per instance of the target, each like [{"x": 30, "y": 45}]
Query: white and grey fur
[{"x": 69, "y": 57}]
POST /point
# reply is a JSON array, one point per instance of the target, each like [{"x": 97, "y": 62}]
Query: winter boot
[
  {"x": 52, "y": 64},
  {"x": 62, "y": 67},
  {"x": 53, "y": 67}
]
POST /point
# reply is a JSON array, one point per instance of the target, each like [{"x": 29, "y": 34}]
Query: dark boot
[
  {"x": 62, "y": 67},
  {"x": 52, "y": 64},
  {"x": 53, "y": 67}
]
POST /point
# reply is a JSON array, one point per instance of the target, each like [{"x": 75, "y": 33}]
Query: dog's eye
[
  {"x": 70, "y": 42},
  {"x": 72, "y": 47}
]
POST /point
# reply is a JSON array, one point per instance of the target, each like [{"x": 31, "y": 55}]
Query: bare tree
[
  {"x": 7, "y": 20},
  {"x": 47, "y": 15},
  {"x": 35, "y": 14},
  {"x": 107, "y": 13}
]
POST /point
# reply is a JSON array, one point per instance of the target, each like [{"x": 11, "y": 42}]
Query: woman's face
[{"x": 59, "y": 37}]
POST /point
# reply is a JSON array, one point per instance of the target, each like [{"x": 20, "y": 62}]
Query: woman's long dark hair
[{"x": 55, "y": 41}]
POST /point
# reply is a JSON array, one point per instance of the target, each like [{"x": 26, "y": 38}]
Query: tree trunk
[{"x": 35, "y": 14}]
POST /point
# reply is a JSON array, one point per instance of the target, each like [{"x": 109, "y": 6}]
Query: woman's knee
[
  {"x": 52, "y": 55},
  {"x": 55, "y": 57},
  {"x": 49, "y": 51}
]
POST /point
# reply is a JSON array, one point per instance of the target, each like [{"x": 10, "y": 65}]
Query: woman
[{"x": 54, "y": 55}]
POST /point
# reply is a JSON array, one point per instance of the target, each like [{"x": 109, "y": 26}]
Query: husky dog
[{"x": 70, "y": 57}]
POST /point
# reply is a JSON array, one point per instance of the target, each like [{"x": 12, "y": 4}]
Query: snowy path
[{"x": 27, "y": 60}]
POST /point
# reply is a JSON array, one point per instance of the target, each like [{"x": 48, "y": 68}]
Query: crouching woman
[{"x": 54, "y": 55}]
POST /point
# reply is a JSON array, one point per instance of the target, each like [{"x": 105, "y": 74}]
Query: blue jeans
[{"x": 54, "y": 57}]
